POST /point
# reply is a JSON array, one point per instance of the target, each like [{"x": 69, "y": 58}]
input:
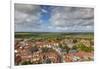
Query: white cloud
[
  {"x": 44, "y": 11},
  {"x": 26, "y": 16},
  {"x": 67, "y": 19},
  {"x": 62, "y": 28},
  {"x": 72, "y": 18}
]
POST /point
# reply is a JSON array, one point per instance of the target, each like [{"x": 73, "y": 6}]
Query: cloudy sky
[{"x": 43, "y": 18}]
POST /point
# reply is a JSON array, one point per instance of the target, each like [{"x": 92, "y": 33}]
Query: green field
[{"x": 44, "y": 35}]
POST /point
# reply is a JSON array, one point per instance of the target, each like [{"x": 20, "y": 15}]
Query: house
[{"x": 78, "y": 56}]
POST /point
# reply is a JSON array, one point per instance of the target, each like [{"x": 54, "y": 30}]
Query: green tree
[
  {"x": 82, "y": 47},
  {"x": 26, "y": 63}
]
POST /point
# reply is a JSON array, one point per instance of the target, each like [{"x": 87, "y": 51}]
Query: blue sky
[
  {"x": 45, "y": 15},
  {"x": 45, "y": 18}
]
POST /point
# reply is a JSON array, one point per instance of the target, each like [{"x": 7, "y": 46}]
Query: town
[{"x": 46, "y": 48}]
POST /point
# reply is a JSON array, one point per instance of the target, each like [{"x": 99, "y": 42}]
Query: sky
[{"x": 48, "y": 18}]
